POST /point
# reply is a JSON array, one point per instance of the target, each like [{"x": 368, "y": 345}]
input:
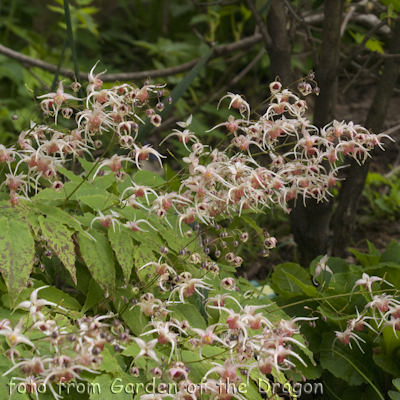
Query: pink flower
[{"x": 56, "y": 99}]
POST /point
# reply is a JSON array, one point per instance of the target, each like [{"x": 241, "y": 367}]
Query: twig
[
  {"x": 375, "y": 54},
  {"x": 357, "y": 51},
  {"x": 353, "y": 63},
  {"x": 310, "y": 37},
  {"x": 248, "y": 67},
  {"x": 349, "y": 15},
  {"x": 267, "y": 39},
  {"x": 356, "y": 76}
]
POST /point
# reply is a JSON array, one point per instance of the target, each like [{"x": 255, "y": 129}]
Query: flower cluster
[
  {"x": 386, "y": 305},
  {"x": 219, "y": 183},
  {"x": 72, "y": 350}
]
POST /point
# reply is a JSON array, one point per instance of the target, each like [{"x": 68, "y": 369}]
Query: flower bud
[
  {"x": 164, "y": 250},
  {"x": 228, "y": 283},
  {"x": 275, "y": 87},
  {"x": 134, "y": 371},
  {"x": 57, "y": 186},
  {"x": 230, "y": 257},
  {"x": 67, "y": 112},
  {"x": 270, "y": 243}
]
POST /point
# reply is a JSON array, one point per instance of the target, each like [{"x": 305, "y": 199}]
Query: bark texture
[
  {"x": 310, "y": 224},
  {"x": 280, "y": 50}
]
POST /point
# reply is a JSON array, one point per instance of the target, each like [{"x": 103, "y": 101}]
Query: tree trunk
[
  {"x": 280, "y": 50},
  {"x": 310, "y": 224}
]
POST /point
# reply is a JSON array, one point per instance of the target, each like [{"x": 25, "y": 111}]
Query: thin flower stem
[{"x": 361, "y": 373}]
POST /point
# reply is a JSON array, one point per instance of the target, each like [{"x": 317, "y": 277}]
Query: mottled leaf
[
  {"x": 99, "y": 259},
  {"x": 60, "y": 215},
  {"x": 17, "y": 251},
  {"x": 18, "y": 211},
  {"x": 59, "y": 238},
  {"x": 143, "y": 255},
  {"x": 122, "y": 245}
]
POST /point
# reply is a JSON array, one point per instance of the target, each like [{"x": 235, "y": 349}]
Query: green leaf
[
  {"x": 336, "y": 264},
  {"x": 386, "y": 363},
  {"x": 17, "y": 249},
  {"x": 366, "y": 260},
  {"x": 60, "y": 215},
  {"x": 51, "y": 194},
  {"x": 394, "y": 395},
  {"x": 135, "y": 320},
  {"x": 59, "y": 297},
  {"x": 198, "y": 368},
  {"x": 252, "y": 224},
  {"x": 392, "y": 252},
  {"x": 123, "y": 248},
  {"x": 396, "y": 383},
  {"x": 70, "y": 175},
  {"x": 309, "y": 290},
  {"x": 390, "y": 340},
  {"x": 94, "y": 296},
  {"x": 284, "y": 285},
  {"x": 99, "y": 259},
  {"x": 59, "y": 239},
  {"x": 348, "y": 364},
  {"x": 97, "y": 202},
  {"x": 189, "y": 313},
  {"x": 33, "y": 219},
  {"x": 394, "y": 4},
  {"x": 106, "y": 388},
  {"x": 108, "y": 363},
  {"x": 148, "y": 178}
]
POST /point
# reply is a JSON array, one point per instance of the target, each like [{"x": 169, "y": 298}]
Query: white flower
[
  {"x": 185, "y": 124},
  {"x": 34, "y": 305},
  {"x": 322, "y": 266}
]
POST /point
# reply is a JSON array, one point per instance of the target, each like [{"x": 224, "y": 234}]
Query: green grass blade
[
  {"x": 55, "y": 79},
  {"x": 177, "y": 92},
  {"x": 70, "y": 35}
]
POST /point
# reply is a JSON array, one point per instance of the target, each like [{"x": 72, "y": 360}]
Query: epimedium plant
[
  {"x": 355, "y": 339},
  {"x": 111, "y": 279}
]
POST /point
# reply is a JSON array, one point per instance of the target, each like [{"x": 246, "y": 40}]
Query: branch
[
  {"x": 358, "y": 50},
  {"x": 368, "y": 20},
  {"x": 131, "y": 76}
]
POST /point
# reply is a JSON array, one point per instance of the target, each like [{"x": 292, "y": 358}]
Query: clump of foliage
[
  {"x": 356, "y": 336},
  {"x": 124, "y": 284}
]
